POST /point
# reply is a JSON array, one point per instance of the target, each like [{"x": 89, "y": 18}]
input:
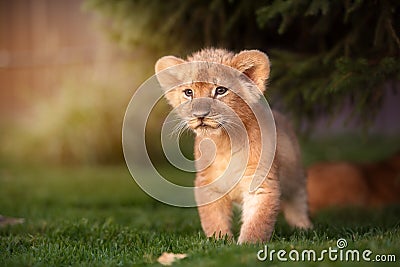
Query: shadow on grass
[{"x": 351, "y": 223}]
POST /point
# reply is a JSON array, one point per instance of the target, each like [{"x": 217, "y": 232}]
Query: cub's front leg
[
  {"x": 259, "y": 212},
  {"x": 216, "y": 218}
]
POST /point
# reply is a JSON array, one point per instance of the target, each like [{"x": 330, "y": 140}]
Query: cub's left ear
[{"x": 255, "y": 65}]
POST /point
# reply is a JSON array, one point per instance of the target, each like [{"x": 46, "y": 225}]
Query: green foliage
[
  {"x": 352, "y": 148},
  {"x": 178, "y": 26},
  {"x": 330, "y": 86},
  {"x": 324, "y": 54}
]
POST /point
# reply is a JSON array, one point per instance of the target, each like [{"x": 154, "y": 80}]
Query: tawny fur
[
  {"x": 285, "y": 184},
  {"x": 368, "y": 185}
]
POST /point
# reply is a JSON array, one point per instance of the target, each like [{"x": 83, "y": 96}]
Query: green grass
[{"x": 96, "y": 216}]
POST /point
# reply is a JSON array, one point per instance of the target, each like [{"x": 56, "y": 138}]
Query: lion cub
[{"x": 201, "y": 110}]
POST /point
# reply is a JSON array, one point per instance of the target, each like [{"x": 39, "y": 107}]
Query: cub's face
[{"x": 207, "y": 107}]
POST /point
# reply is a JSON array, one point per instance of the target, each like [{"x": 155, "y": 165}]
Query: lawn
[{"x": 97, "y": 216}]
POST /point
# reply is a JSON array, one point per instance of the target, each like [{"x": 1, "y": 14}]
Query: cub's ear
[
  {"x": 166, "y": 62},
  {"x": 255, "y": 65},
  {"x": 168, "y": 78}
]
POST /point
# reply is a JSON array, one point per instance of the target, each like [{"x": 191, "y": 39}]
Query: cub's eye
[
  {"x": 188, "y": 92},
  {"x": 220, "y": 90}
]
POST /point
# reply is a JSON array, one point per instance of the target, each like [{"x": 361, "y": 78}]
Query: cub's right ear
[
  {"x": 168, "y": 78},
  {"x": 166, "y": 62}
]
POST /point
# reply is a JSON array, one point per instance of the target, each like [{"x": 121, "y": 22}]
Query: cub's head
[{"x": 209, "y": 97}]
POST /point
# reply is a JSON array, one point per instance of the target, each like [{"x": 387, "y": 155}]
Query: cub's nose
[
  {"x": 201, "y": 113},
  {"x": 201, "y": 107}
]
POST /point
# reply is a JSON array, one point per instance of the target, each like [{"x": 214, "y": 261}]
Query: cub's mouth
[{"x": 203, "y": 123}]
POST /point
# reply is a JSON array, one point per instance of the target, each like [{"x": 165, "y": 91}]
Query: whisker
[
  {"x": 174, "y": 120},
  {"x": 178, "y": 128}
]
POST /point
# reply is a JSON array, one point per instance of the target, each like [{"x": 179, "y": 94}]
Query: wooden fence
[{"x": 40, "y": 41}]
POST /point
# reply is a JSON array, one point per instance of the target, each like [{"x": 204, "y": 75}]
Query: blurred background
[
  {"x": 69, "y": 68},
  {"x": 64, "y": 85}
]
